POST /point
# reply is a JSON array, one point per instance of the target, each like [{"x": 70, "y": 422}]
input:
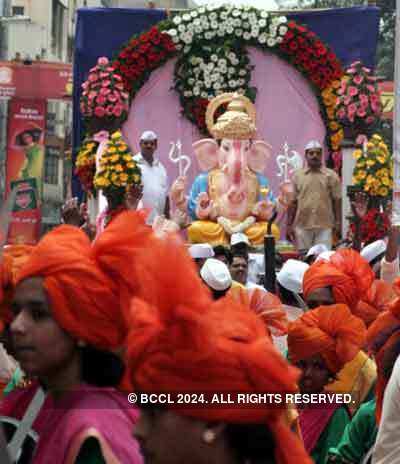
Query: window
[
  {"x": 51, "y": 166},
  {"x": 18, "y": 11}
]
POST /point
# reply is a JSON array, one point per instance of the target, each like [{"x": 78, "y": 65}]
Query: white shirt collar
[{"x": 141, "y": 160}]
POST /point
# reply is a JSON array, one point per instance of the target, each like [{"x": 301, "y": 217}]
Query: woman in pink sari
[{"x": 67, "y": 327}]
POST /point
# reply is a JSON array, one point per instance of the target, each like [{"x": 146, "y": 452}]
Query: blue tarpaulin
[{"x": 352, "y": 33}]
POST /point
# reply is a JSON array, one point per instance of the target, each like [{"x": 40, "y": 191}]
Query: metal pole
[
  {"x": 396, "y": 124},
  {"x": 269, "y": 259}
]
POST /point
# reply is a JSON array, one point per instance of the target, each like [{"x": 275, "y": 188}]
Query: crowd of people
[{"x": 90, "y": 316}]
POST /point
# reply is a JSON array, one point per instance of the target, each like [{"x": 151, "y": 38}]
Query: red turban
[
  {"x": 88, "y": 285},
  {"x": 331, "y": 331},
  {"x": 267, "y": 306},
  {"x": 347, "y": 273},
  {"x": 14, "y": 257},
  {"x": 374, "y": 302},
  {"x": 185, "y": 342}
]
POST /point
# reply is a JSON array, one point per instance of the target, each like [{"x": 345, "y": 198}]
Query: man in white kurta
[{"x": 154, "y": 177}]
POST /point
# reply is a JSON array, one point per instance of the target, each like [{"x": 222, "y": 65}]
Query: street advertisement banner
[
  {"x": 25, "y": 141},
  {"x": 25, "y": 223}
]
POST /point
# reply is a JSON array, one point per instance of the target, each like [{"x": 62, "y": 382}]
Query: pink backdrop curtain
[{"x": 287, "y": 110}]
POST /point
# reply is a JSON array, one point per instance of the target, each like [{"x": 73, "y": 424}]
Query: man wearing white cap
[
  {"x": 290, "y": 282},
  {"x": 374, "y": 253},
  {"x": 200, "y": 252},
  {"x": 317, "y": 207},
  {"x": 314, "y": 252},
  {"x": 215, "y": 274},
  {"x": 154, "y": 177}
]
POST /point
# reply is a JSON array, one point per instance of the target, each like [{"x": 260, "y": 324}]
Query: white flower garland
[
  {"x": 210, "y": 22},
  {"x": 210, "y": 69}
]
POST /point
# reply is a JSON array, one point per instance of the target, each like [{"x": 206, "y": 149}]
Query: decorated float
[{"x": 234, "y": 95}]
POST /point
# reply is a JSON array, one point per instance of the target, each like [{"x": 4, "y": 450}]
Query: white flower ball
[
  {"x": 208, "y": 35},
  {"x": 181, "y": 28},
  {"x": 273, "y": 31},
  {"x": 262, "y": 23},
  {"x": 220, "y": 32},
  {"x": 242, "y": 72},
  {"x": 204, "y": 95},
  {"x": 255, "y": 32},
  {"x": 271, "y": 42},
  {"x": 241, "y": 81},
  {"x": 186, "y": 17},
  {"x": 246, "y": 25},
  {"x": 279, "y": 40},
  {"x": 172, "y": 32},
  {"x": 247, "y": 36},
  {"x": 210, "y": 66},
  {"x": 282, "y": 19},
  {"x": 214, "y": 25},
  {"x": 262, "y": 38},
  {"x": 194, "y": 14},
  {"x": 213, "y": 16},
  {"x": 198, "y": 30},
  {"x": 235, "y": 62},
  {"x": 191, "y": 81},
  {"x": 264, "y": 14},
  {"x": 217, "y": 85},
  {"x": 231, "y": 70},
  {"x": 238, "y": 32},
  {"x": 230, "y": 30},
  {"x": 232, "y": 84},
  {"x": 236, "y": 13},
  {"x": 175, "y": 39},
  {"x": 222, "y": 62},
  {"x": 186, "y": 49},
  {"x": 202, "y": 10},
  {"x": 223, "y": 15},
  {"x": 188, "y": 93},
  {"x": 283, "y": 30},
  {"x": 214, "y": 58},
  {"x": 177, "y": 20},
  {"x": 197, "y": 22},
  {"x": 196, "y": 91},
  {"x": 245, "y": 15}
]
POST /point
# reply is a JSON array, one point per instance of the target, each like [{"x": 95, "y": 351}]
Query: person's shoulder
[{"x": 330, "y": 173}]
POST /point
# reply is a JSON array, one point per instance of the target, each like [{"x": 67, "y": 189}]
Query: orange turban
[
  {"x": 374, "y": 302},
  {"x": 347, "y": 273},
  {"x": 14, "y": 257},
  {"x": 88, "y": 285},
  {"x": 186, "y": 342},
  {"x": 331, "y": 331},
  {"x": 381, "y": 335},
  {"x": 267, "y": 306}
]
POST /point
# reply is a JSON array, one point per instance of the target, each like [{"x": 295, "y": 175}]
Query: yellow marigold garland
[
  {"x": 85, "y": 166},
  {"x": 373, "y": 171},
  {"x": 117, "y": 168}
]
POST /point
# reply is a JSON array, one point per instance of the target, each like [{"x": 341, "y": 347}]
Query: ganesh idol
[{"x": 231, "y": 194}]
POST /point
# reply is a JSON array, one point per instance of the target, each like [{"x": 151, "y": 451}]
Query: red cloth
[
  {"x": 267, "y": 306},
  {"x": 381, "y": 335},
  {"x": 347, "y": 273},
  {"x": 374, "y": 302},
  {"x": 331, "y": 331},
  {"x": 186, "y": 342},
  {"x": 89, "y": 285}
]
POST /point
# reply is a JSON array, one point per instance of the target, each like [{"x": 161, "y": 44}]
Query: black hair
[
  {"x": 252, "y": 443},
  {"x": 220, "y": 250},
  {"x": 217, "y": 294},
  {"x": 101, "y": 368},
  {"x": 238, "y": 251}
]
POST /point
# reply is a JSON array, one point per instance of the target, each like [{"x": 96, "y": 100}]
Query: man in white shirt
[{"x": 154, "y": 177}]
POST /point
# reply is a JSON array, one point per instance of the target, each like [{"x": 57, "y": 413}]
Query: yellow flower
[
  {"x": 370, "y": 162},
  {"x": 382, "y": 159},
  {"x": 114, "y": 177},
  {"x": 370, "y": 146},
  {"x": 119, "y": 168},
  {"x": 383, "y": 192},
  {"x": 336, "y": 84},
  {"x": 377, "y": 138},
  {"x": 114, "y": 158},
  {"x": 127, "y": 158},
  {"x": 124, "y": 177},
  {"x": 130, "y": 165},
  {"x": 357, "y": 154},
  {"x": 361, "y": 175},
  {"x": 360, "y": 163},
  {"x": 112, "y": 150},
  {"x": 386, "y": 181},
  {"x": 334, "y": 125},
  {"x": 331, "y": 113},
  {"x": 136, "y": 178},
  {"x": 116, "y": 135},
  {"x": 123, "y": 146}
]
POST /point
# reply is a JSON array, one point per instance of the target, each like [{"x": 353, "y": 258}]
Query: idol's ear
[
  {"x": 206, "y": 151},
  {"x": 259, "y": 154}
]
